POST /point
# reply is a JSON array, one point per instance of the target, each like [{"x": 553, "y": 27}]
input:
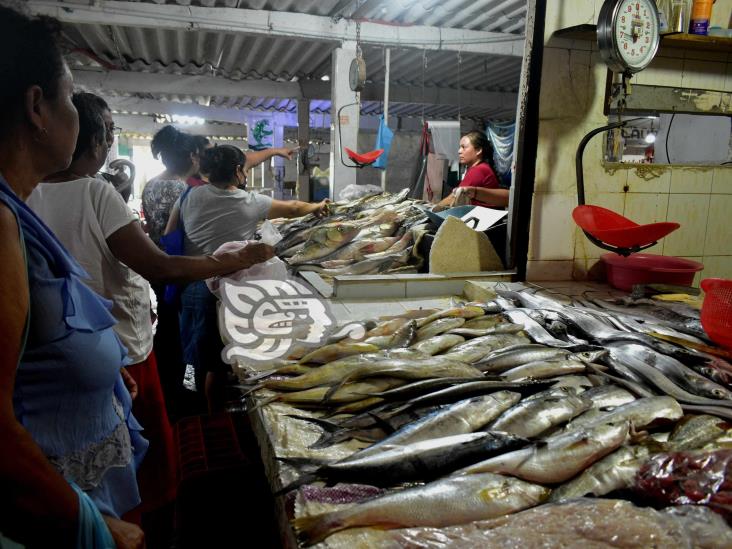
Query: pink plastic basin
[{"x": 623, "y": 272}]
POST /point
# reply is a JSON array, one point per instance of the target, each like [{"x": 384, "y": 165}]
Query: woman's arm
[
  {"x": 255, "y": 158},
  {"x": 295, "y": 208},
  {"x": 493, "y": 197},
  {"x": 133, "y": 248},
  {"x": 38, "y": 507}
]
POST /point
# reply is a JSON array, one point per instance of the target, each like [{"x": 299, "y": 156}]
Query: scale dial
[
  {"x": 357, "y": 74},
  {"x": 628, "y": 34}
]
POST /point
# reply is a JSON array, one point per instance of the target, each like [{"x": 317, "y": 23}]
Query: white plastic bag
[
  {"x": 270, "y": 234},
  {"x": 272, "y": 269},
  {"x": 353, "y": 191}
]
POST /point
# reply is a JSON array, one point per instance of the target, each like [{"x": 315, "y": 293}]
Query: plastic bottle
[{"x": 701, "y": 14}]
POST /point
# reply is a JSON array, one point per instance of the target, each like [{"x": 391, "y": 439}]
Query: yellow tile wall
[{"x": 571, "y": 104}]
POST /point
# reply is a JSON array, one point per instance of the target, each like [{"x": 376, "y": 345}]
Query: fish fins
[
  {"x": 307, "y": 478},
  {"x": 332, "y": 391},
  {"x": 316, "y": 528},
  {"x": 303, "y": 464},
  {"x": 264, "y": 402},
  {"x": 329, "y": 426},
  {"x": 383, "y": 424}
]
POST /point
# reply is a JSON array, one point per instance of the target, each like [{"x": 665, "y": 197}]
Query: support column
[
  {"x": 303, "y": 141},
  {"x": 341, "y": 94},
  {"x": 387, "y": 67}
]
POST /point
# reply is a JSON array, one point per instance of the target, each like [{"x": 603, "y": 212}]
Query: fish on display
[
  {"x": 558, "y": 458},
  {"x": 403, "y": 337},
  {"x": 467, "y": 312},
  {"x": 641, "y": 413},
  {"x": 613, "y": 472},
  {"x": 438, "y": 327},
  {"x": 462, "y": 417},
  {"x": 332, "y": 352},
  {"x": 437, "y": 344},
  {"x": 324, "y": 242},
  {"x": 475, "y": 349},
  {"x": 448, "y": 501},
  {"x": 516, "y": 355},
  {"x": 484, "y": 321},
  {"x": 694, "y": 432},
  {"x": 540, "y": 413},
  {"x": 351, "y": 392},
  {"x": 474, "y": 387},
  {"x": 422, "y": 460},
  {"x": 421, "y": 387},
  {"x": 608, "y": 395},
  {"x": 502, "y": 328}
]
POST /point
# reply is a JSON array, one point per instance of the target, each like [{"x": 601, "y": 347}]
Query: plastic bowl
[
  {"x": 716, "y": 313},
  {"x": 624, "y": 272}
]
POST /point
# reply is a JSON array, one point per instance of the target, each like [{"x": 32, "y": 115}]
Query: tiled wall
[{"x": 572, "y": 92}]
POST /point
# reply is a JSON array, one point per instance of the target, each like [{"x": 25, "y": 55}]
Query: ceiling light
[
  {"x": 325, "y": 78},
  {"x": 188, "y": 120},
  {"x": 650, "y": 137}
]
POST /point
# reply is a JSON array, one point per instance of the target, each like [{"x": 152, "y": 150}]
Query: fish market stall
[
  {"x": 573, "y": 416},
  {"x": 387, "y": 245}
]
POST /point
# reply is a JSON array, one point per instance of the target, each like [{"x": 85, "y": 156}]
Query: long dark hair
[
  {"x": 30, "y": 56},
  {"x": 174, "y": 148},
  {"x": 219, "y": 163},
  {"x": 92, "y": 129},
  {"x": 479, "y": 141}
]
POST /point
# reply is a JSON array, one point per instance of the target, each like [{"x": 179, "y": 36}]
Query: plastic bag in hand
[
  {"x": 270, "y": 235},
  {"x": 272, "y": 269}
]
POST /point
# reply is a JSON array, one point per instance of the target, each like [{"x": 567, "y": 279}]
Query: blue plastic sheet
[{"x": 383, "y": 141}]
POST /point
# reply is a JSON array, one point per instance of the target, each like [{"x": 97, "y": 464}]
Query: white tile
[
  {"x": 413, "y": 303},
  {"x": 728, "y": 77},
  {"x": 370, "y": 290},
  {"x": 560, "y": 15},
  {"x": 564, "y": 83},
  {"x": 340, "y": 313},
  {"x": 371, "y": 308},
  {"x": 706, "y": 55},
  {"x": 717, "y": 267},
  {"x": 691, "y": 181},
  {"x": 663, "y": 71},
  {"x": 549, "y": 270},
  {"x": 704, "y": 75},
  {"x": 646, "y": 208},
  {"x": 654, "y": 180},
  {"x": 719, "y": 226},
  {"x": 722, "y": 181},
  {"x": 690, "y": 211},
  {"x": 552, "y": 227},
  {"x": 430, "y": 289}
]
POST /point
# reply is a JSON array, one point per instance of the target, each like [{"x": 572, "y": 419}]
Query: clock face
[
  {"x": 636, "y": 32},
  {"x": 628, "y": 34}
]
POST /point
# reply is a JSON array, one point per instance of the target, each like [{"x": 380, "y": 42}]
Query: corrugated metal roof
[{"x": 240, "y": 56}]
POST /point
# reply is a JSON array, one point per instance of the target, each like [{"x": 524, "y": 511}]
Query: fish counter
[{"x": 562, "y": 418}]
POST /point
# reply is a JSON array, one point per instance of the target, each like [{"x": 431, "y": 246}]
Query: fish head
[{"x": 590, "y": 356}]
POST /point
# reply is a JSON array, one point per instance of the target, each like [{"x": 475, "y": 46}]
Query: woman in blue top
[{"x": 69, "y": 443}]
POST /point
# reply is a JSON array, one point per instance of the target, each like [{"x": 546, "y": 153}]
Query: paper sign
[{"x": 480, "y": 218}]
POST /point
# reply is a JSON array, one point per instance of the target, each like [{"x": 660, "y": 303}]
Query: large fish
[
  {"x": 324, "y": 242},
  {"x": 462, "y": 417},
  {"x": 505, "y": 359},
  {"x": 613, "y": 472},
  {"x": 694, "y": 432},
  {"x": 437, "y": 344},
  {"x": 467, "y": 312},
  {"x": 422, "y": 460},
  {"x": 558, "y": 458},
  {"x": 540, "y": 413},
  {"x": 475, "y": 349},
  {"x": 641, "y": 413},
  {"x": 374, "y": 365},
  {"x": 439, "y": 326},
  {"x": 332, "y": 352},
  {"x": 452, "y": 500},
  {"x": 351, "y": 392}
]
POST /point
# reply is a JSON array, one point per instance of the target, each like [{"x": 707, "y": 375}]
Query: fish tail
[
  {"x": 264, "y": 402},
  {"x": 254, "y": 389},
  {"x": 301, "y": 481},
  {"x": 323, "y": 423},
  {"x": 316, "y": 528}
]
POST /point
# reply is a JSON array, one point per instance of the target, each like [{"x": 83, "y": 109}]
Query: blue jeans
[{"x": 199, "y": 332}]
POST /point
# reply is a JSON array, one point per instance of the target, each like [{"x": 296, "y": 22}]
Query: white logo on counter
[{"x": 261, "y": 320}]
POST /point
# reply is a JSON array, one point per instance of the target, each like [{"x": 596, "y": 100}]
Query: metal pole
[{"x": 387, "y": 62}]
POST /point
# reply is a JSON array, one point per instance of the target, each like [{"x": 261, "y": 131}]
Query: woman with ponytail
[
  {"x": 480, "y": 184},
  {"x": 222, "y": 211}
]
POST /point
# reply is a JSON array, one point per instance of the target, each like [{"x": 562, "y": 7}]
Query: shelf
[{"x": 675, "y": 40}]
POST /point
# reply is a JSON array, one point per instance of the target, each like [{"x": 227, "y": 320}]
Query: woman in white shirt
[{"x": 93, "y": 222}]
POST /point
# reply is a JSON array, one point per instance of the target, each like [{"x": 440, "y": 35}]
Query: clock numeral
[
  {"x": 637, "y": 6},
  {"x": 630, "y": 8},
  {"x": 648, "y": 40},
  {"x": 622, "y": 19},
  {"x": 625, "y": 45},
  {"x": 641, "y": 50}
]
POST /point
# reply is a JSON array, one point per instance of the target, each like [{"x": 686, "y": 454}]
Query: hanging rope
[
  {"x": 460, "y": 59},
  {"x": 424, "y": 70}
]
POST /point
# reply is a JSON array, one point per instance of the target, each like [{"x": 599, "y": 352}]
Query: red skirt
[{"x": 158, "y": 473}]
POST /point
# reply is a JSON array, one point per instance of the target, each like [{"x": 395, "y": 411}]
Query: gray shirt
[{"x": 213, "y": 216}]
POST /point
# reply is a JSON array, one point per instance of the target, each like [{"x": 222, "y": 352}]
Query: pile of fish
[
  {"x": 493, "y": 408},
  {"x": 377, "y": 233}
]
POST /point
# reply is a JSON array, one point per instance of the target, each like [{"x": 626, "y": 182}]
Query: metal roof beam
[
  {"x": 280, "y": 24},
  {"x": 115, "y": 82}
]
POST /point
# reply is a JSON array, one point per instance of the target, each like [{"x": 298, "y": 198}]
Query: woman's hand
[
  {"x": 284, "y": 152},
  {"x": 125, "y": 534},
  {"x": 244, "y": 258},
  {"x": 129, "y": 382},
  {"x": 323, "y": 209}
]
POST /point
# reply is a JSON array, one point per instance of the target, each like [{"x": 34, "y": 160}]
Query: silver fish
[
  {"x": 504, "y": 359},
  {"x": 614, "y": 472},
  {"x": 465, "y": 416},
  {"x": 608, "y": 395},
  {"x": 476, "y": 349},
  {"x": 461, "y": 500},
  {"x": 503, "y": 328},
  {"x": 641, "y": 413},
  {"x": 439, "y": 326},
  {"x": 437, "y": 344},
  {"x": 543, "y": 369},
  {"x": 694, "y": 432},
  {"x": 558, "y": 458},
  {"x": 535, "y": 416}
]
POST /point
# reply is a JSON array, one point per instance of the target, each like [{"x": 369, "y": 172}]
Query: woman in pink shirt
[{"x": 480, "y": 183}]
